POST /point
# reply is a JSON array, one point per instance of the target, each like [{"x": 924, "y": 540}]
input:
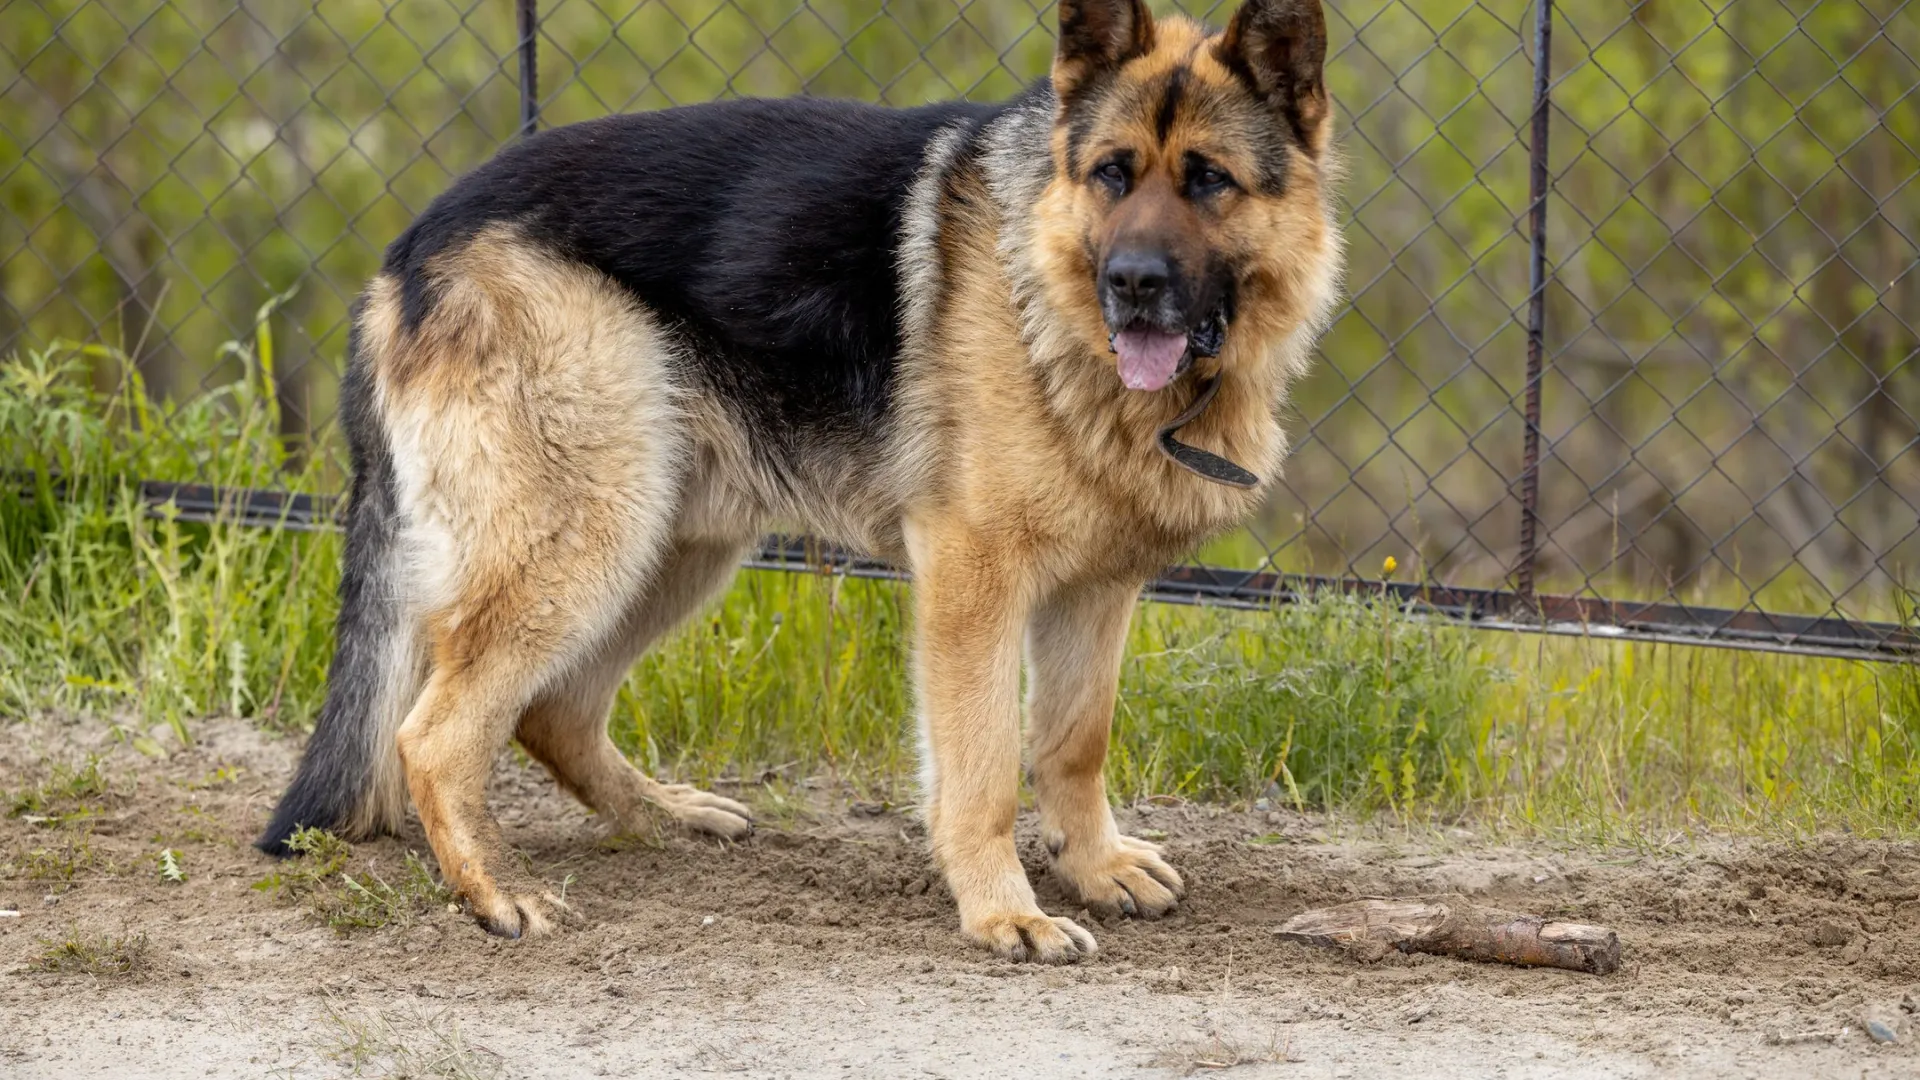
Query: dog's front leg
[
  {"x": 971, "y": 604},
  {"x": 1075, "y": 644}
]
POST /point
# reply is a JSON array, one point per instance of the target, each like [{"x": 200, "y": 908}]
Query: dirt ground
[{"x": 824, "y": 947}]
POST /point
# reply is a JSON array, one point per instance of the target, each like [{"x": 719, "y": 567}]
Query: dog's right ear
[{"x": 1097, "y": 35}]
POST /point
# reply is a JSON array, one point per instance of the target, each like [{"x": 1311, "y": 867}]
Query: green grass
[
  {"x": 319, "y": 880},
  {"x": 69, "y": 793},
  {"x": 106, "y": 608},
  {"x": 57, "y": 863},
  {"x": 76, "y": 953},
  {"x": 154, "y": 623}
]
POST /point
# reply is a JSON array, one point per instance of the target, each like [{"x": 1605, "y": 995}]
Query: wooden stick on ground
[{"x": 1459, "y": 930}]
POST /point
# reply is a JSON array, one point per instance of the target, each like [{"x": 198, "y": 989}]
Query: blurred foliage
[{"x": 1730, "y": 395}]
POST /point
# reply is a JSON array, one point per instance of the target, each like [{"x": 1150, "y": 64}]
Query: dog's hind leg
[
  {"x": 1074, "y": 644},
  {"x": 539, "y": 447},
  {"x": 541, "y": 588},
  {"x": 566, "y": 727}
]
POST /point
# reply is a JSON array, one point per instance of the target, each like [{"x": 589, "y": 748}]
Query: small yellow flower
[{"x": 1387, "y": 568}]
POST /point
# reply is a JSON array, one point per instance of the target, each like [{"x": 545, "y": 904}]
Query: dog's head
[{"x": 1188, "y": 205}]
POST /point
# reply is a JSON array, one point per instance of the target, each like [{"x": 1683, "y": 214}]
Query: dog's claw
[
  {"x": 513, "y": 914},
  {"x": 1129, "y": 878},
  {"x": 705, "y": 812},
  {"x": 1034, "y": 937}
]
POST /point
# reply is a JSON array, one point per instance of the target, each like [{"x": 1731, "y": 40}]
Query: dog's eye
[
  {"x": 1208, "y": 180},
  {"x": 1112, "y": 174}
]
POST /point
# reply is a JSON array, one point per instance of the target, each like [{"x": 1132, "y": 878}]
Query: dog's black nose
[{"x": 1137, "y": 277}]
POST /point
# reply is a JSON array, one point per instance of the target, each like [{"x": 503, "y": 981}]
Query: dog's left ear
[
  {"x": 1096, "y": 35},
  {"x": 1279, "y": 47}
]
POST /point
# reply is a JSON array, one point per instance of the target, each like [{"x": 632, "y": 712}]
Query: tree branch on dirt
[{"x": 1459, "y": 930}]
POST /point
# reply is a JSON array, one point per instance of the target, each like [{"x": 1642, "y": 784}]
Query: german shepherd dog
[{"x": 1034, "y": 351}]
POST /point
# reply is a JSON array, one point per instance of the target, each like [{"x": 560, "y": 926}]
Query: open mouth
[{"x": 1150, "y": 357}]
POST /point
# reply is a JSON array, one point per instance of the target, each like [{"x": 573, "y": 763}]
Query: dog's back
[{"x": 761, "y": 232}]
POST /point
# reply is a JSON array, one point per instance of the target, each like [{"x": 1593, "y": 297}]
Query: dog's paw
[
  {"x": 1129, "y": 878},
  {"x": 705, "y": 812},
  {"x": 522, "y": 910},
  {"x": 1034, "y": 936}
]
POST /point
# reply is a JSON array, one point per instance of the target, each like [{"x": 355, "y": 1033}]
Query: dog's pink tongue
[{"x": 1148, "y": 358}]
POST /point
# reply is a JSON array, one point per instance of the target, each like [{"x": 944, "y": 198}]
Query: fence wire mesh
[{"x": 1725, "y": 318}]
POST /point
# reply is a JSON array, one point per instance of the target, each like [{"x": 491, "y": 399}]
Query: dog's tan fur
[{"x": 567, "y": 499}]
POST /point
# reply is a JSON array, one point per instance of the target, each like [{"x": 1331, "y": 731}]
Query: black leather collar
[{"x": 1202, "y": 463}]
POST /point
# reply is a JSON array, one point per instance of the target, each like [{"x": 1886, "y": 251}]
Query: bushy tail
[{"x": 349, "y": 780}]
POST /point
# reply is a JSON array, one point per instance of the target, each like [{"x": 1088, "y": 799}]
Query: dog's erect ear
[
  {"x": 1279, "y": 48},
  {"x": 1098, "y": 34}
]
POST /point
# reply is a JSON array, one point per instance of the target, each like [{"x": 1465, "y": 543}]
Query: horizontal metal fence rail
[
  {"x": 1249, "y": 589},
  {"x": 1634, "y": 289}
]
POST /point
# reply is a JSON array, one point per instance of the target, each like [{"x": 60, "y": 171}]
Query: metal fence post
[
  {"x": 529, "y": 19},
  {"x": 1536, "y": 302}
]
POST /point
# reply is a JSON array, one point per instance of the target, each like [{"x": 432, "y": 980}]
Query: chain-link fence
[{"x": 1631, "y": 340}]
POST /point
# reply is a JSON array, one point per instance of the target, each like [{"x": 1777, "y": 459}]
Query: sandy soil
[{"x": 824, "y": 947}]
